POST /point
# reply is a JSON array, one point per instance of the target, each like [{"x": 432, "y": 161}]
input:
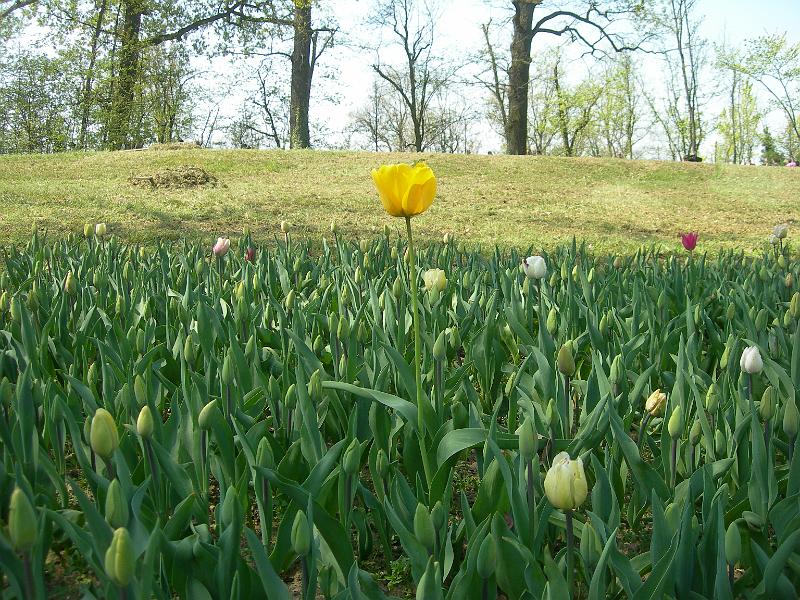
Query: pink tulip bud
[
  {"x": 250, "y": 254},
  {"x": 221, "y": 247}
]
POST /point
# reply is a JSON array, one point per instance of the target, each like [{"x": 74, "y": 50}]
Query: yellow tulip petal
[{"x": 405, "y": 190}]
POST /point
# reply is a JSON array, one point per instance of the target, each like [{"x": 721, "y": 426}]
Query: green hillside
[{"x": 615, "y": 205}]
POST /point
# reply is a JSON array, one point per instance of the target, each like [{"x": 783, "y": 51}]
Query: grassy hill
[{"x": 615, "y": 205}]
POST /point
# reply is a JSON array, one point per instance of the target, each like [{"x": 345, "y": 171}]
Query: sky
[{"x": 459, "y": 36}]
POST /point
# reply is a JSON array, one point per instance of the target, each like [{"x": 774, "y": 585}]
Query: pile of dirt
[
  {"x": 175, "y": 146},
  {"x": 185, "y": 176}
]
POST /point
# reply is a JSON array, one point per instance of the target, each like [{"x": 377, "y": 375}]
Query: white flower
[
  {"x": 565, "y": 483},
  {"x": 534, "y": 267},
  {"x": 751, "y": 360},
  {"x": 780, "y": 231},
  {"x": 435, "y": 279},
  {"x": 222, "y": 246}
]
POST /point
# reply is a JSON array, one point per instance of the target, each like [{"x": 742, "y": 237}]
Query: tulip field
[{"x": 376, "y": 419}]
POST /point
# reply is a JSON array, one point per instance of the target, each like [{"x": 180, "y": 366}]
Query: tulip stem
[
  {"x": 412, "y": 260},
  {"x": 643, "y": 429},
  {"x": 567, "y": 419},
  {"x": 730, "y": 574},
  {"x": 673, "y": 461},
  {"x": 29, "y": 587},
  {"x": 570, "y": 555}
]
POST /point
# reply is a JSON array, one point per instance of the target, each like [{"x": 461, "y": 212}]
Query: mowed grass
[{"x": 615, "y": 205}]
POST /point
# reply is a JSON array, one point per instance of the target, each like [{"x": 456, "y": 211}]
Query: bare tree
[
  {"x": 685, "y": 62},
  {"x": 589, "y": 22},
  {"x": 774, "y": 64},
  {"x": 421, "y": 77}
]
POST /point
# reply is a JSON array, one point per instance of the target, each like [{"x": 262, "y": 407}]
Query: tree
[
  {"x": 421, "y": 76},
  {"x": 770, "y": 154},
  {"x": 738, "y": 122},
  {"x": 617, "y": 114},
  {"x": 589, "y": 22},
  {"x": 685, "y": 62},
  {"x": 574, "y": 108},
  {"x": 774, "y": 64}
]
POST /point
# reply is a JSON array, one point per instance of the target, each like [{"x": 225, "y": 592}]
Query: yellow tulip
[{"x": 405, "y": 190}]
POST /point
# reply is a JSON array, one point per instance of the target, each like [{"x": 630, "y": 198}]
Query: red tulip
[
  {"x": 689, "y": 240},
  {"x": 250, "y": 254}
]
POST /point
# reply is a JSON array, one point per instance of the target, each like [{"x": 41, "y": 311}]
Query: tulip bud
[
  {"x": 289, "y": 300},
  {"x": 655, "y": 403},
  {"x": 22, "y": 525},
  {"x": 552, "y": 321},
  {"x": 207, "y": 415},
  {"x": 231, "y": 507},
  {"x": 603, "y": 326},
  {"x": 617, "y": 370},
  {"x": 794, "y": 305},
  {"x": 675, "y": 424},
  {"x": 712, "y": 399},
  {"x": 120, "y": 561},
  {"x": 301, "y": 534},
  {"x": 754, "y": 520},
  {"x": 423, "y": 527},
  {"x": 751, "y": 360},
  {"x": 565, "y": 483},
  {"x": 566, "y": 363},
  {"x": 139, "y": 390},
  {"x": 382, "y": 464},
  {"x": 315, "y": 386},
  {"x": 528, "y": 439},
  {"x": 343, "y": 330},
  {"x": 551, "y": 414},
  {"x": 103, "y": 435},
  {"x": 761, "y": 319},
  {"x": 487, "y": 557},
  {"x": 116, "y": 506},
  {"x": 791, "y": 419},
  {"x": 70, "y": 287},
  {"x": 460, "y": 416},
  {"x": 733, "y": 544},
  {"x": 438, "y": 516},
  {"x": 731, "y": 312},
  {"x": 100, "y": 230},
  {"x": 695, "y": 433},
  {"x": 591, "y": 548},
  {"x": 87, "y": 230},
  {"x": 720, "y": 443},
  {"x": 334, "y": 227},
  {"x": 767, "y": 407},
  {"x": 284, "y": 227},
  {"x": 144, "y": 424},
  {"x": 352, "y": 458},
  {"x": 440, "y": 347},
  {"x": 290, "y": 399},
  {"x": 789, "y": 280}
]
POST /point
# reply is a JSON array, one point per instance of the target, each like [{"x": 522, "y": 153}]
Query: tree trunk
[
  {"x": 129, "y": 56},
  {"x": 563, "y": 124},
  {"x": 302, "y": 72},
  {"x": 519, "y": 78},
  {"x": 88, "y": 81}
]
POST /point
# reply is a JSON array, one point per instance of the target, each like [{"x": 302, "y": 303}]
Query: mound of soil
[
  {"x": 185, "y": 176},
  {"x": 175, "y": 146}
]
